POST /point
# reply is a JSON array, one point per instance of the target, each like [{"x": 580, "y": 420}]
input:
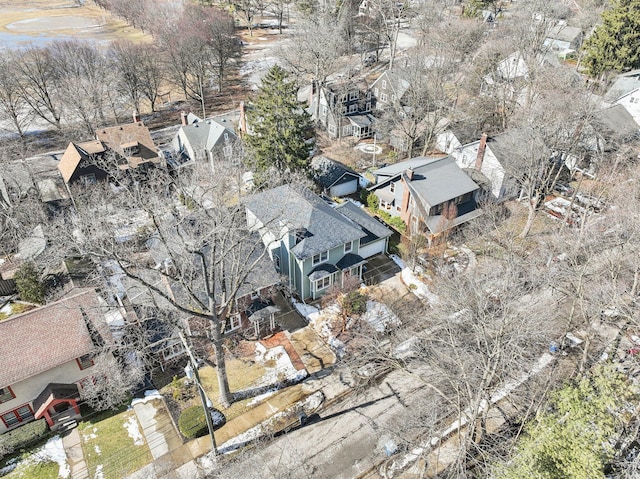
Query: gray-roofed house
[
  {"x": 343, "y": 109},
  {"x": 377, "y": 239},
  {"x": 625, "y": 91},
  {"x": 431, "y": 198},
  {"x": 563, "y": 38},
  {"x": 309, "y": 241},
  {"x": 389, "y": 88},
  {"x": 204, "y": 140},
  {"x": 334, "y": 178},
  {"x": 614, "y": 125}
]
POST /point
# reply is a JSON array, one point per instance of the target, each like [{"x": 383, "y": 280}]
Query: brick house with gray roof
[
  {"x": 310, "y": 242},
  {"x": 46, "y": 354}
]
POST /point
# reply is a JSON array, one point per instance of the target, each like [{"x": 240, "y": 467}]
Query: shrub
[
  {"x": 192, "y": 422},
  {"x": 372, "y": 201},
  {"x": 354, "y": 302},
  {"x": 394, "y": 221},
  {"x": 23, "y": 437},
  {"x": 28, "y": 283}
]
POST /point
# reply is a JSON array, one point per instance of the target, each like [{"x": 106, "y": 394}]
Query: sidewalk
[{"x": 75, "y": 455}]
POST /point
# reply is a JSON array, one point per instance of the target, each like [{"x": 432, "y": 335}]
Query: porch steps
[{"x": 66, "y": 426}]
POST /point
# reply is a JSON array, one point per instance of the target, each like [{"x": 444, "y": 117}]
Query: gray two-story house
[{"x": 314, "y": 245}]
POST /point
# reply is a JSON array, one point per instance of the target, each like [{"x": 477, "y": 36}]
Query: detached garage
[
  {"x": 378, "y": 234},
  {"x": 335, "y": 179}
]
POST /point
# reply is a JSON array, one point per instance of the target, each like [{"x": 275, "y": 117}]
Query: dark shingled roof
[
  {"x": 350, "y": 260},
  {"x": 328, "y": 172},
  {"x": 321, "y": 271},
  {"x": 371, "y": 226},
  {"x": 297, "y": 207}
]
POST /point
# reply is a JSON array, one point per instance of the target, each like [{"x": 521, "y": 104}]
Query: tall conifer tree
[{"x": 279, "y": 125}]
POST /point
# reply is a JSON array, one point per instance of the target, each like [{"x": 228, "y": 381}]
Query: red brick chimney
[
  {"x": 405, "y": 214},
  {"x": 409, "y": 173},
  {"x": 481, "y": 149},
  {"x": 183, "y": 118},
  {"x": 136, "y": 117}
]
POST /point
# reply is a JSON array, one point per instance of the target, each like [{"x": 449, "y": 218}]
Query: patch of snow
[
  {"x": 397, "y": 260},
  {"x": 131, "y": 425},
  {"x": 379, "y": 316},
  {"x": 97, "y": 449},
  {"x": 283, "y": 369},
  {"x": 148, "y": 396},
  {"x": 417, "y": 287},
  {"x": 308, "y": 405},
  {"x": 99, "y": 474},
  {"x": 52, "y": 451},
  {"x": 6, "y": 309},
  {"x": 88, "y": 437},
  {"x": 304, "y": 309}
]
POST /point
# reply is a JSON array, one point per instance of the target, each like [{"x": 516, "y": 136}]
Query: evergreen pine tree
[
  {"x": 279, "y": 125},
  {"x": 615, "y": 44},
  {"x": 28, "y": 283}
]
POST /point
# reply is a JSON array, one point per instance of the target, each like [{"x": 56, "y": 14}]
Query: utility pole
[{"x": 193, "y": 365}]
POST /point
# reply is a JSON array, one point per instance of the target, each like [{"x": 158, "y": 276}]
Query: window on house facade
[
  {"x": 367, "y": 106},
  {"x": 89, "y": 179},
  {"x": 84, "y": 383},
  {"x": 384, "y": 84},
  {"x": 323, "y": 283},
  {"x": 255, "y": 294},
  {"x": 6, "y": 394},
  {"x": 368, "y": 94},
  {"x": 376, "y": 92},
  {"x": 173, "y": 351},
  {"x": 320, "y": 258},
  {"x": 85, "y": 362},
  {"x": 332, "y": 129},
  {"x": 226, "y": 136},
  {"x": 353, "y": 95},
  {"x": 343, "y": 110},
  {"x": 393, "y": 98},
  {"x": 346, "y": 130},
  {"x": 233, "y": 322},
  {"x": 348, "y": 247},
  {"x": 276, "y": 262},
  {"x": 383, "y": 97},
  {"x": 324, "y": 110},
  {"x": 392, "y": 187},
  {"x": 227, "y": 151},
  {"x": 17, "y": 416},
  {"x": 353, "y": 107}
]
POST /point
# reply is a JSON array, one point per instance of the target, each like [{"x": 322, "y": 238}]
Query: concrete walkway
[
  {"x": 75, "y": 455},
  {"x": 157, "y": 427}
]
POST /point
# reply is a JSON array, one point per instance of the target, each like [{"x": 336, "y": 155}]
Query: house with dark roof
[
  {"x": 333, "y": 177},
  {"x": 343, "y": 109},
  {"x": 46, "y": 355},
  {"x": 431, "y": 196},
  {"x": 204, "y": 140},
  {"x": 563, "y": 38},
  {"x": 389, "y": 88},
  {"x": 313, "y": 244}
]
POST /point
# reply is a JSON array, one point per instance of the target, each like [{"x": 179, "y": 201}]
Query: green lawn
[
  {"x": 108, "y": 447},
  {"x": 39, "y": 470}
]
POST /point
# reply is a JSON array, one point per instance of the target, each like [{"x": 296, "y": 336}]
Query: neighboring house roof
[
  {"x": 396, "y": 82},
  {"x": 76, "y": 153},
  {"x": 128, "y": 138},
  {"x": 396, "y": 168},
  {"x": 371, "y": 226},
  {"x": 298, "y": 208},
  {"x": 205, "y": 135},
  {"x": 617, "y": 121},
  {"x": 49, "y": 336},
  {"x": 329, "y": 173},
  {"x": 564, "y": 33},
  {"x": 440, "y": 180},
  {"x": 624, "y": 84}
]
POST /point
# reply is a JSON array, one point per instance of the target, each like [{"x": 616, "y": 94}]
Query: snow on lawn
[
  {"x": 379, "y": 316},
  {"x": 283, "y": 369},
  {"x": 131, "y": 425},
  {"x": 416, "y": 286},
  {"x": 52, "y": 451},
  {"x": 99, "y": 474},
  {"x": 305, "y": 310},
  {"x": 321, "y": 322},
  {"x": 308, "y": 406}
]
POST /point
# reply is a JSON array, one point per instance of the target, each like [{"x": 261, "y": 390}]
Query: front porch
[
  {"x": 58, "y": 404},
  {"x": 324, "y": 276}
]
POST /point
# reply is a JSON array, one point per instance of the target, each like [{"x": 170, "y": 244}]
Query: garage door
[{"x": 372, "y": 249}]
